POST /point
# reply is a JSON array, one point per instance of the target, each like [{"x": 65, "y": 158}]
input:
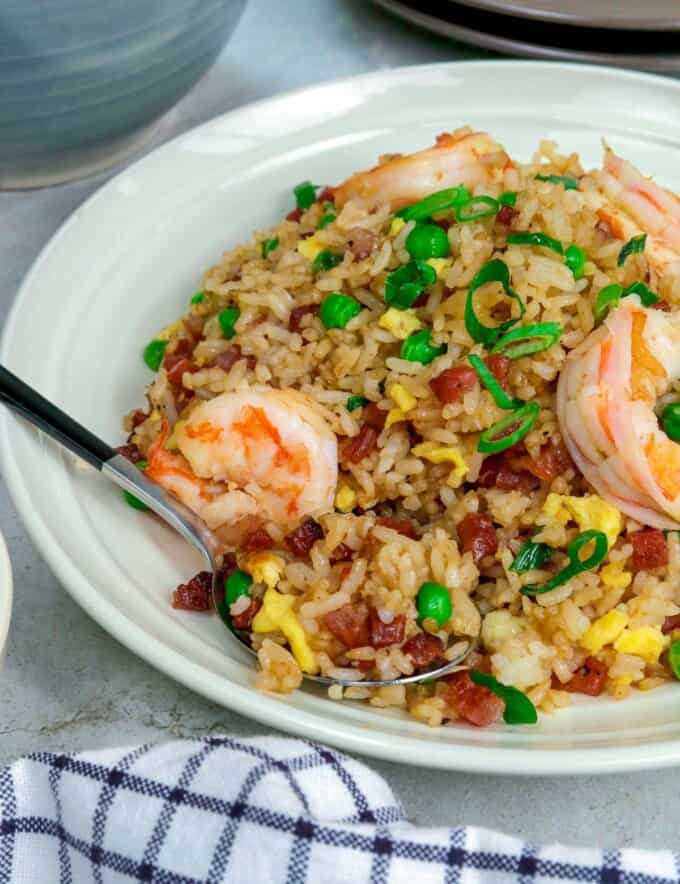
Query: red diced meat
[
  {"x": 506, "y": 215},
  {"x": 129, "y": 452},
  {"x": 227, "y": 359},
  {"x": 361, "y": 242},
  {"x": 650, "y": 549},
  {"x": 401, "y": 526},
  {"x": 341, "y": 553},
  {"x": 424, "y": 649},
  {"x": 294, "y": 215},
  {"x": 374, "y": 416},
  {"x": 474, "y": 703},
  {"x": 604, "y": 229},
  {"x": 349, "y": 625},
  {"x": 452, "y": 384},
  {"x": 244, "y": 620},
  {"x": 421, "y": 300},
  {"x": 193, "y": 325},
  {"x": 303, "y": 538},
  {"x": 327, "y": 195},
  {"x": 664, "y": 306},
  {"x": 385, "y": 634},
  {"x": 256, "y": 539},
  {"x": 552, "y": 461},
  {"x": 497, "y": 473},
  {"x": 477, "y": 535},
  {"x": 297, "y": 313},
  {"x": 138, "y": 417},
  {"x": 175, "y": 371},
  {"x": 499, "y": 366},
  {"x": 195, "y": 594},
  {"x": 671, "y": 623},
  {"x": 356, "y": 449},
  {"x": 588, "y": 679}
]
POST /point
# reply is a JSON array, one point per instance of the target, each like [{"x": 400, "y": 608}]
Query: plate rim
[
  {"x": 513, "y": 7},
  {"x": 352, "y": 737}
]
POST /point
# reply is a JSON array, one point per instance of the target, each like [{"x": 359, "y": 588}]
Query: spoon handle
[{"x": 52, "y": 420}]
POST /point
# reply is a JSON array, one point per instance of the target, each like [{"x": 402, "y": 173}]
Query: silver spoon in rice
[{"x": 71, "y": 435}]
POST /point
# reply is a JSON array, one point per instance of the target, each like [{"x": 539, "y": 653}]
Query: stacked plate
[{"x": 622, "y": 34}]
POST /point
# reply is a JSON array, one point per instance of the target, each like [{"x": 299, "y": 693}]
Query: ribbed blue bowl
[{"x": 83, "y": 81}]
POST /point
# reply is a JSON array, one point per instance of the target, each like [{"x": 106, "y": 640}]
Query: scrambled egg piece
[
  {"x": 401, "y": 323},
  {"x": 345, "y": 498},
  {"x": 647, "y": 642},
  {"x": 276, "y": 615},
  {"x": 402, "y": 398},
  {"x": 604, "y": 631},
  {"x": 441, "y": 266},
  {"x": 396, "y": 226},
  {"x": 614, "y": 576},
  {"x": 590, "y": 512},
  {"x": 171, "y": 444},
  {"x": 436, "y": 453},
  {"x": 394, "y": 416},
  {"x": 266, "y": 567},
  {"x": 309, "y": 248}
]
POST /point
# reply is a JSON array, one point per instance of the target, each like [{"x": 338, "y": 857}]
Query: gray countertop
[{"x": 67, "y": 685}]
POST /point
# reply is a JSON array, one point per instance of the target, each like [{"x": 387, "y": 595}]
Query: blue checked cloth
[{"x": 260, "y": 811}]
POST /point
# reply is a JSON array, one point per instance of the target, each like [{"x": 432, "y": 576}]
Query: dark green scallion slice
[
  {"x": 518, "y": 707},
  {"x": 510, "y": 430},
  {"x": 356, "y": 402},
  {"x": 674, "y": 659},
  {"x": 305, "y": 194},
  {"x": 528, "y": 339},
  {"x": 646, "y": 295},
  {"x": 325, "y": 260},
  {"x": 268, "y": 245},
  {"x": 237, "y": 584},
  {"x": 487, "y": 377},
  {"x": 477, "y": 207},
  {"x": 509, "y": 198},
  {"x": 435, "y": 202},
  {"x": 634, "y": 245},
  {"x": 228, "y": 319},
  {"x": 531, "y": 556},
  {"x": 575, "y": 259},
  {"x": 607, "y": 299},
  {"x": 405, "y": 284},
  {"x": 417, "y": 348},
  {"x": 535, "y": 239},
  {"x": 198, "y": 298},
  {"x": 569, "y": 183},
  {"x": 495, "y": 271},
  {"x": 327, "y": 219},
  {"x": 576, "y": 564}
]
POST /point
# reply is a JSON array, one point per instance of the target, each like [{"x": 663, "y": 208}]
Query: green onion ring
[
  {"x": 535, "y": 239},
  {"x": 569, "y": 183},
  {"x": 495, "y": 271},
  {"x": 435, "y": 202},
  {"x": 607, "y": 298},
  {"x": 576, "y": 564},
  {"x": 635, "y": 244},
  {"x": 532, "y": 555},
  {"x": 646, "y": 295},
  {"x": 508, "y": 198},
  {"x": 528, "y": 339},
  {"x": 469, "y": 211},
  {"x": 493, "y": 440},
  {"x": 487, "y": 377}
]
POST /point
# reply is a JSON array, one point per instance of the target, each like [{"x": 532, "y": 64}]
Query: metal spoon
[{"x": 71, "y": 435}]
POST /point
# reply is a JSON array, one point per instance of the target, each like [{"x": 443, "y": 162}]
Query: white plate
[
  {"x": 6, "y": 592},
  {"x": 128, "y": 261}
]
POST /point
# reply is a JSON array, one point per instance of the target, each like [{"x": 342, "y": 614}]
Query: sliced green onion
[
  {"x": 535, "y": 239},
  {"x": 674, "y": 659},
  {"x": 509, "y": 198},
  {"x": 133, "y": 501},
  {"x": 305, "y": 194},
  {"x": 356, "y": 402},
  {"x": 518, "y": 707},
  {"x": 575, "y": 259},
  {"x": 670, "y": 421},
  {"x": 198, "y": 298},
  {"x": 494, "y": 271},
  {"x": 569, "y": 183},
  {"x": 227, "y": 319},
  {"x": 153, "y": 353},
  {"x": 607, "y": 298},
  {"x": 237, "y": 584},
  {"x": 646, "y": 295},
  {"x": 325, "y": 260},
  {"x": 510, "y": 430},
  {"x": 337, "y": 310},
  {"x": 405, "y": 284},
  {"x": 487, "y": 377},
  {"x": 327, "y": 219},
  {"x": 576, "y": 564},
  {"x": 531, "y": 556},
  {"x": 417, "y": 348},
  {"x": 435, "y": 202},
  {"x": 634, "y": 245},
  {"x": 427, "y": 241},
  {"x": 268, "y": 245},
  {"x": 477, "y": 207},
  {"x": 528, "y": 339}
]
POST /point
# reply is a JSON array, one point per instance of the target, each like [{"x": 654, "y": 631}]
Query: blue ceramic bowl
[{"x": 83, "y": 81}]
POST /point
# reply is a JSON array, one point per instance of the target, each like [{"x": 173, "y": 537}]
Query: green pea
[
  {"x": 674, "y": 659},
  {"x": 198, "y": 298},
  {"x": 427, "y": 241},
  {"x": 417, "y": 348},
  {"x": 305, "y": 194},
  {"x": 228, "y": 319},
  {"x": 153, "y": 353},
  {"x": 236, "y": 585},
  {"x": 267, "y": 246},
  {"x": 327, "y": 219},
  {"x": 575, "y": 259},
  {"x": 337, "y": 310},
  {"x": 133, "y": 501},
  {"x": 434, "y": 602},
  {"x": 325, "y": 260},
  {"x": 670, "y": 421}
]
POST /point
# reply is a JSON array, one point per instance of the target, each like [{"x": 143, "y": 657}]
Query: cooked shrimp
[
  {"x": 636, "y": 204},
  {"x": 605, "y": 404},
  {"x": 463, "y": 157},
  {"x": 262, "y": 453}
]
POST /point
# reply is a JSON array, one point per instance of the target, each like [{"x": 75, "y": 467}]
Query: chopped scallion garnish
[
  {"x": 356, "y": 402},
  {"x": 607, "y": 298},
  {"x": 535, "y": 239},
  {"x": 477, "y": 207},
  {"x": 510, "y": 430},
  {"x": 305, "y": 194},
  {"x": 495, "y": 271},
  {"x": 518, "y": 707},
  {"x": 569, "y": 183},
  {"x": 509, "y": 198},
  {"x": 435, "y": 202},
  {"x": 487, "y": 377},
  {"x": 528, "y": 339},
  {"x": 576, "y": 565},
  {"x": 531, "y": 556},
  {"x": 405, "y": 284},
  {"x": 325, "y": 260},
  {"x": 268, "y": 245},
  {"x": 645, "y": 294},
  {"x": 575, "y": 259},
  {"x": 635, "y": 244}
]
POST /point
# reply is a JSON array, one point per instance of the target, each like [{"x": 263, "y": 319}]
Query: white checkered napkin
[{"x": 258, "y": 811}]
